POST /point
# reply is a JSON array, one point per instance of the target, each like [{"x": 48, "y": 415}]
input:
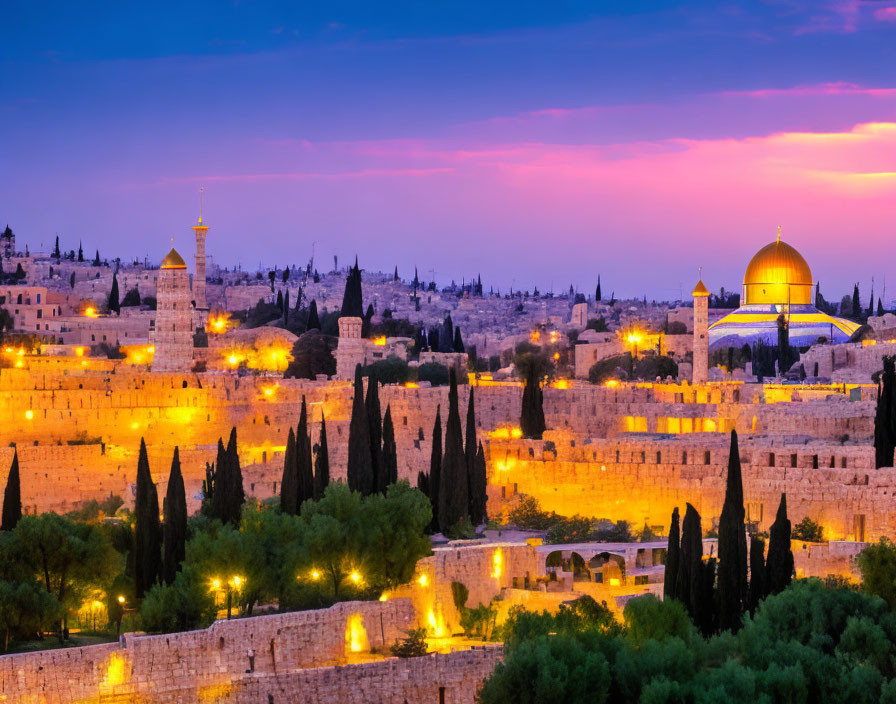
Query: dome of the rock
[{"x": 778, "y": 274}]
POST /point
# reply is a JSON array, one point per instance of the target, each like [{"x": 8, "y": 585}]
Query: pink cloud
[
  {"x": 825, "y": 89},
  {"x": 885, "y": 14}
]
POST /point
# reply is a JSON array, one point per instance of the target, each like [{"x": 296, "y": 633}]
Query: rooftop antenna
[{"x": 200, "y": 204}]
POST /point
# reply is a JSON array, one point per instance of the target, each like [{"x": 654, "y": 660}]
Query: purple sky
[{"x": 537, "y": 143}]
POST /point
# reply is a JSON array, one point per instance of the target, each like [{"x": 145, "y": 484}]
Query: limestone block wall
[
  {"x": 642, "y": 480},
  {"x": 187, "y": 666}
]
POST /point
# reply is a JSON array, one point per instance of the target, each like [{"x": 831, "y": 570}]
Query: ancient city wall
[{"x": 193, "y": 665}]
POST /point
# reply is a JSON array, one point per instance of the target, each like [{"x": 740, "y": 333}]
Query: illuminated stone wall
[
  {"x": 641, "y": 479},
  {"x": 195, "y": 665}
]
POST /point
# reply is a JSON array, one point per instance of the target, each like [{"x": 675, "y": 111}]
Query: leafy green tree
[
  {"x": 148, "y": 534},
  {"x": 359, "y": 472},
  {"x": 649, "y": 619},
  {"x": 12, "y": 496},
  {"x": 312, "y": 354},
  {"x": 334, "y": 533},
  {"x": 26, "y": 610},
  {"x": 175, "y": 527},
  {"x": 808, "y": 530},
  {"x": 527, "y": 515},
  {"x": 732, "y": 545},
  {"x": 182, "y": 606},
  {"x": 877, "y": 563},
  {"x": 453, "y": 502}
]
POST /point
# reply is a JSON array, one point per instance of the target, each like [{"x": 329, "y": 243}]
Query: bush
[
  {"x": 616, "y": 367},
  {"x": 569, "y": 530},
  {"x": 527, "y": 515},
  {"x": 182, "y": 606},
  {"x": 433, "y": 372},
  {"x": 414, "y": 646},
  {"x": 597, "y": 324},
  {"x": 389, "y": 371},
  {"x": 462, "y": 530},
  {"x": 808, "y": 530}
]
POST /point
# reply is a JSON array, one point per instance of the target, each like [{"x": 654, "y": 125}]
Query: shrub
[
  {"x": 528, "y": 515},
  {"x": 389, "y": 371},
  {"x": 433, "y": 372},
  {"x": 808, "y": 530},
  {"x": 414, "y": 646}
]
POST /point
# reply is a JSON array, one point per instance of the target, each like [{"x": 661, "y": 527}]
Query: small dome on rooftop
[{"x": 173, "y": 260}]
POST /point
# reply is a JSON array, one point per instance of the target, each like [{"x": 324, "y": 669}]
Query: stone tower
[
  {"x": 199, "y": 279},
  {"x": 173, "y": 338},
  {"x": 350, "y": 349},
  {"x": 701, "y": 334}
]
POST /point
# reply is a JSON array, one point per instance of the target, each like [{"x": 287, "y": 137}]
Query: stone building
[
  {"x": 173, "y": 338},
  {"x": 701, "y": 334},
  {"x": 199, "y": 280}
]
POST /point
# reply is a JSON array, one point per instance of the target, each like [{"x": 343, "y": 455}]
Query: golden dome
[
  {"x": 173, "y": 261},
  {"x": 778, "y": 274},
  {"x": 700, "y": 289}
]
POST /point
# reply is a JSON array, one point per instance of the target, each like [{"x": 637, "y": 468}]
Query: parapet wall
[{"x": 192, "y": 666}]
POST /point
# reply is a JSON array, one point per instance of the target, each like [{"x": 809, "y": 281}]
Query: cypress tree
[
  {"x": 597, "y": 295},
  {"x": 757, "y": 572},
  {"x": 779, "y": 565},
  {"x": 453, "y": 502},
  {"x": 56, "y": 253},
  {"x": 175, "y": 528},
  {"x": 389, "y": 464},
  {"x": 423, "y": 483},
  {"x": 880, "y": 308},
  {"x": 856, "y": 304},
  {"x": 313, "y": 318},
  {"x": 280, "y": 301},
  {"x": 234, "y": 494},
  {"x": 305, "y": 470},
  {"x": 705, "y": 616},
  {"x": 673, "y": 555},
  {"x": 12, "y": 496},
  {"x": 732, "y": 546},
  {"x": 286, "y": 309},
  {"x": 96, "y": 259},
  {"x": 289, "y": 484},
  {"x": 532, "y": 416},
  {"x": 148, "y": 536},
  {"x": 885, "y": 415},
  {"x": 352, "y": 298},
  {"x": 395, "y": 275},
  {"x": 688, "y": 584},
  {"x": 216, "y": 485},
  {"x": 478, "y": 489},
  {"x": 458, "y": 341},
  {"x": 435, "y": 467},
  {"x": 71, "y": 280},
  {"x": 365, "y": 321},
  {"x": 114, "y": 302},
  {"x": 80, "y": 252},
  {"x": 470, "y": 452},
  {"x": 359, "y": 472},
  {"x": 375, "y": 423},
  {"x": 321, "y": 462}
]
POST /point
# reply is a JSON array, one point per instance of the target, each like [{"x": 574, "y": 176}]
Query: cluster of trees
[
  {"x": 808, "y": 643},
  {"x": 340, "y": 546},
  {"x": 70, "y": 255},
  {"x": 716, "y": 592},
  {"x": 528, "y": 515},
  {"x": 622, "y": 367},
  {"x": 532, "y": 422},
  {"x": 302, "y": 479},
  {"x": 372, "y": 453},
  {"x": 456, "y": 482}
]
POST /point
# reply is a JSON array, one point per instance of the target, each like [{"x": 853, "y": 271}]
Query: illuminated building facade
[{"x": 778, "y": 282}]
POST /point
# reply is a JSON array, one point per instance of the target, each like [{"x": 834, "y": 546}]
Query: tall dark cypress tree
[
  {"x": 214, "y": 485},
  {"x": 479, "y": 489},
  {"x": 453, "y": 503},
  {"x": 360, "y": 468},
  {"x": 235, "y": 496},
  {"x": 532, "y": 415},
  {"x": 352, "y": 299},
  {"x": 175, "y": 527},
  {"x": 880, "y": 308},
  {"x": 885, "y": 415},
  {"x": 779, "y": 565},
  {"x": 423, "y": 483},
  {"x": 286, "y": 309},
  {"x": 80, "y": 252},
  {"x": 321, "y": 462},
  {"x": 757, "y": 572},
  {"x": 114, "y": 301},
  {"x": 688, "y": 586},
  {"x": 304, "y": 462},
  {"x": 732, "y": 546},
  {"x": 470, "y": 445},
  {"x": 435, "y": 468},
  {"x": 856, "y": 304},
  {"x": 313, "y": 318},
  {"x": 673, "y": 556},
  {"x": 597, "y": 295},
  {"x": 375, "y": 423},
  {"x": 12, "y": 496},
  {"x": 56, "y": 253},
  {"x": 148, "y": 535},
  {"x": 705, "y": 608},
  {"x": 289, "y": 484},
  {"x": 458, "y": 341},
  {"x": 389, "y": 463}
]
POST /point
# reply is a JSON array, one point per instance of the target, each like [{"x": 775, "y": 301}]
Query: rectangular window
[
  {"x": 707, "y": 456},
  {"x": 793, "y": 460}
]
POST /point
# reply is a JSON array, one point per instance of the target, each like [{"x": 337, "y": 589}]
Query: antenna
[{"x": 200, "y": 204}]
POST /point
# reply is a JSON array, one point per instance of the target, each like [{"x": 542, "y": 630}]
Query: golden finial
[
  {"x": 779, "y": 233},
  {"x": 200, "y": 204},
  {"x": 172, "y": 242},
  {"x": 700, "y": 273}
]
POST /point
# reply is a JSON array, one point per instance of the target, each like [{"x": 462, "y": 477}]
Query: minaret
[
  {"x": 173, "y": 335},
  {"x": 199, "y": 278},
  {"x": 700, "y": 373}
]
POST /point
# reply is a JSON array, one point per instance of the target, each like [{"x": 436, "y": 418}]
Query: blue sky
[{"x": 532, "y": 141}]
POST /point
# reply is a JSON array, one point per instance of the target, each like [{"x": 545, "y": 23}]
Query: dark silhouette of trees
[
  {"x": 148, "y": 536},
  {"x": 453, "y": 502},
  {"x": 12, "y": 496},
  {"x": 321, "y": 462},
  {"x": 532, "y": 415},
  {"x": 779, "y": 564},
  {"x": 114, "y": 304},
  {"x": 360, "y": 466},
  {"x": 732, "y": 545},
  {"x": 885, "y": 415},
  {"x": 673, "y": 557},
  {"x": 174, "y": 530}
]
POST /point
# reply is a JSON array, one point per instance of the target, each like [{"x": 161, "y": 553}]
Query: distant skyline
[{"x": 539, "y": 144}]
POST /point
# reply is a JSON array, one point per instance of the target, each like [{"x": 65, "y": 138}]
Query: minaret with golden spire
[
  {"x": 199, "y": 279},
  {"x": 700, "y": 357}
]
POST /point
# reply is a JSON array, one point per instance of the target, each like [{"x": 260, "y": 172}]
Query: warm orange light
[
  {"x": 614, "y": 582},
  {"x": 315, "y": 574},
  {"x": 233, "y": 360},
  {"x": 29, "y": 415},
  {"x": 216, "y": 584},
  {"x": 497, "y": 563},
  {"x": 218, "y": 323},
  {"x": 561, "y": 384},
  {"x": 79, "y": 351},
  {"x": 355, "y": 634},
  {"x": 355, "y": 577},
  {"x": 535, "y": 336},
  {"x": 380, "y": 341},
  {"x": 412, "y": 385},
  {"x": 120, "y": 599},
  {"x": 135, "y": 425},
  {"x": 556, "y": 356},
  {"x": 634, "y": 338},
  {"x": 423, "y": 580},
  {"x": 612, "y": 383},
  {"x": 20, "y": 363}
]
